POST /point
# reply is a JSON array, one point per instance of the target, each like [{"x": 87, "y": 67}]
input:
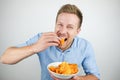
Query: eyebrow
[
  {"x": 68, "y": 24},
  {"x": 59, "y": 22}
]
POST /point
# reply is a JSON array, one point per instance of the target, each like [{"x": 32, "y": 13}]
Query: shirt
[{"x": 80, "y": 53}]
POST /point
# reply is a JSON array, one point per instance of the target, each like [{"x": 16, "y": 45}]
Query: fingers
[
  {"x": 50, "y": 37},
  {"x": 47, "y": 39},
  {"x": 49, "y": 34},
  {"x": 76, "y": 78}
]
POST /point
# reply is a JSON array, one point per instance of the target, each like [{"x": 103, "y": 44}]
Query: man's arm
[
  {"x": 13, "y": 55},
  {"x": 87, "y": 77},
  {"x": 89, "y": 65}
]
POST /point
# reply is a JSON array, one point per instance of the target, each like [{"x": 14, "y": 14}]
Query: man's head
[
  {"x": 68, "y": 8},
  {"x": 68, "y": 23}
]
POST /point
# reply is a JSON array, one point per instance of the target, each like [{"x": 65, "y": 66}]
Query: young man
[{"x": 47, "y": 46}]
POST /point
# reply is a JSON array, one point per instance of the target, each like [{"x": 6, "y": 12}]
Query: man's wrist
[{"x": 33, "y": 49}]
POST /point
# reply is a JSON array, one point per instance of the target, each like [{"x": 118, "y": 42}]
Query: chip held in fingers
[{"x": 62, "y": 41}]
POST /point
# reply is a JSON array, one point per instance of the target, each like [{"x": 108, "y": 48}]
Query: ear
[{"x": 78, "y": 30}]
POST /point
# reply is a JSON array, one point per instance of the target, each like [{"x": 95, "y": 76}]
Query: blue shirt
[{"x": 80, "y": 52}]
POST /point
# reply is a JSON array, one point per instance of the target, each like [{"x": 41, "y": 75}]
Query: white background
[{"x": 22, "y": 19}]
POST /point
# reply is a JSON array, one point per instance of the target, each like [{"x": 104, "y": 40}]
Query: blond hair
[{"x": 68, "y": 8}]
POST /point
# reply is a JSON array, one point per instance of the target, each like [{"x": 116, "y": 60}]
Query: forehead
[{"x": 68, "y": 18}]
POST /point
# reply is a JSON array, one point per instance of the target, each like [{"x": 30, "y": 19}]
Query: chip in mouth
[{"x": 62, "y": 41}]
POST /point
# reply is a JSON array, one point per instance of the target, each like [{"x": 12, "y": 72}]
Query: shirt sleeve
[
  {"x": 30, "y": 41},
  {"x": 89, "y": 62}
]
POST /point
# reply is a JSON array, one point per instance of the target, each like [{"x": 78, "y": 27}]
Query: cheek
[
  {"x": 72, "y": 33},
  {"x": 71, "y": 36}
]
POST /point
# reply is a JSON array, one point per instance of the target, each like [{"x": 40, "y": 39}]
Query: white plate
[{"x": 61, "y": 76}]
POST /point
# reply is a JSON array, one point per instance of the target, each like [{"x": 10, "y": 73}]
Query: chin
[{"x": 61, "y": 47}]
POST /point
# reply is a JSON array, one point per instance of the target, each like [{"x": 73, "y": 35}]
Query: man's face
[{"x": 67, "y": 27}]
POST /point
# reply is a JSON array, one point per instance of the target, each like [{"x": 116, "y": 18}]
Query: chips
[
  {"x": 65, "y": 68},
  {"x": 62, "y": 41}
]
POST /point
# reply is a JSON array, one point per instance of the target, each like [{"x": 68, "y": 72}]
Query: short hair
[{"x": 69, "y": 8}]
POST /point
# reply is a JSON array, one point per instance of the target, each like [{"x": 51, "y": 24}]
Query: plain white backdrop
[{"x": 22, "y": 19}]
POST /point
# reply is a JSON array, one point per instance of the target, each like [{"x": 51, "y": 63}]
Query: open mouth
[
  {"x": 62, "y": 41},
  {"x": 65, "y": 39}
]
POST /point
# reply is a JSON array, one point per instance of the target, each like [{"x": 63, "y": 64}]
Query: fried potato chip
[
  {"x": 62, "y": 41},
  {"x": 65, "y": 68}
]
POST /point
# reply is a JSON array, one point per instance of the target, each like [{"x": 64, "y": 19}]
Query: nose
[{"x": 63, "y": 30}]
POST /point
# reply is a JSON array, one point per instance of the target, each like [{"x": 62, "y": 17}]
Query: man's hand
[
  {"x": 87, "y": 77},
  {"x": 54, "y": 78},
  {"x": 46, "y": 40},
  {"x": 13, "y": 55},
  {"x": 77, "y": 78}
]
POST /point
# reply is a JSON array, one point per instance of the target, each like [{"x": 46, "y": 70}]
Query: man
[{"x": 49, "y": 49}]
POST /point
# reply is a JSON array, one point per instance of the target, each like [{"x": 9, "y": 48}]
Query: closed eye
[
  {"x": 59, "y": 24},
  {"x": 69, "y": 27}
]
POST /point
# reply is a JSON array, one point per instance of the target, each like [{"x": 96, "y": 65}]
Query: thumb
[{"x": 74, "y": 78}]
